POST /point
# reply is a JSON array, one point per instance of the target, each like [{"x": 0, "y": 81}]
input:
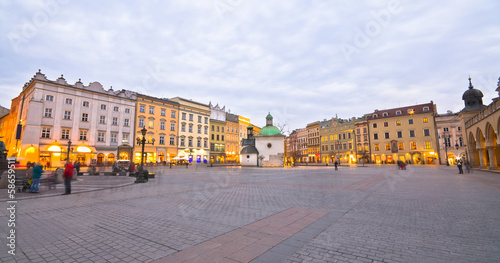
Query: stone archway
[
  {"x": 491, "y": 147},
  {"x": 474, "y": 153},
  {"x": 481, "y": 148}
]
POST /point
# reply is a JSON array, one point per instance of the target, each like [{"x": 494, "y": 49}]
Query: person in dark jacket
[
  {"x": 68, "y": 175},
  {"x": 37, "y": 174}
]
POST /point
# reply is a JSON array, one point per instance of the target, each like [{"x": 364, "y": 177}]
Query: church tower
[
  {"x": 269, "y": 120},
  {"x": 473, "y": 99}
]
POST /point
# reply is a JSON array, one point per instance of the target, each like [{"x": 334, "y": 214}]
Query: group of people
[
  {"x": 460, "y": 167},
  {"x": 35, "y": 171}
]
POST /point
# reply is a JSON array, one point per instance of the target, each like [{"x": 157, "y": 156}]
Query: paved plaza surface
[{"x": 233, "y": 214}]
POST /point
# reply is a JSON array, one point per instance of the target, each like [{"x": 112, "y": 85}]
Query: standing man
[
  {"x": 77, "y": 167},
  {"x": 68, "y": 175},
  {"x": 459, "y": 165},
  {"x": 336, "y": 165}
]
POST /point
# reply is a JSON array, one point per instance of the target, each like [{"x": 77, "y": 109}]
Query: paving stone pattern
[{"x": 370, "y": 214}]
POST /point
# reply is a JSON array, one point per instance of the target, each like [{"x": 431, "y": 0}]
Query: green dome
[{"x": 270, "y": 131}]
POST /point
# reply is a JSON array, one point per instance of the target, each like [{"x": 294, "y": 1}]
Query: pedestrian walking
[
  {"x": 459, "y": 165},
  {"x": 77, "y": 167},
  {"x": 336, "y": 165},
  {"x": 37, "y": 174},
  {"x": 68, "y": 175}
]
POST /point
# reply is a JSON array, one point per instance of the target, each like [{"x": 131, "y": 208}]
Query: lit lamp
[{"x": 143, "y": 175}]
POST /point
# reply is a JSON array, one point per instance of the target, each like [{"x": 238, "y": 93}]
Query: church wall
[
  {"x": 273, "y": 156},
  {"x": 248, "y": 159}
]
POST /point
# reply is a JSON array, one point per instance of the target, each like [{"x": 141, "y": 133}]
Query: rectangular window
[
  {"x": 426, "y": 120},
  {"x": 400, "y": 146},
  {"x": 85, "y": 104},
  {"x": 162, "y": 125},
  {"x": 102, "y": 119},
  {"x": 222, "y": 137},
  {"x": 85, "y": 117},
  {"x": 218, "y": 137},
  {"x": 142, "y": 108},
  {"x": 69, "y": 101},
  {"x": 199, "y": 119},
  {"x": 163, "y": 112},
  {"x": 199, "y": 129},
  {"x": 447, "y": 141},
  {"x": 48, "y": 113},
  {"x": 113, "y": 137},
  {"x": 374, "y": 125},
  {"x": 49, "y": 98},
  {"x": 445, "y": 129},
  {"x": 103, "y": 106},
  {"x": 375, "y": 136},
  {"x": 100, "y": 136},
  {"x": 350, "y": 146},
  {"x": 358, "y": 130},
  {"x": 184, "y": 116},
  {"x": 427, "y": 145},
  {"x": 205, "y": 144},
  {"x": 127, "y": 110},
  {"x": 386, "y": 124},
  {"x": 413, "y": 145},
  {"x": 386, "y": 135},
  {"x": 172, "y": 126},
  {"x": 377, "y": 147},
  {"x": 151, "y": 110},
  {"x": 116, "y": 109},
  {"x": 190, "y": 143},
  {"x": 151, "y": 124},
  {"x": 172, "y": 114},
  {"x": 45, "y": 132},
  {"x": 190, "y": 128},
  {"x": 115, "y": 121},
  {"x": 190, "y": 117},
  {"x": 410, "y": 121},
  {"x": 206, "y": 130},
  {"x": 206, "y": 121},
  {"x": 400, "y": 134},
  {"x": 398, "y": 123},
  {"x": 182, "y": 141},
  {"x": 172, "y": 140},
  {"x": 412, "y": 133},
  {"x": 162, "y": 140},
  {"x": 183, "y": 127},
  {"x": 83, "y": 135},
  {"x": 388, "y": 146},
  {"x": 427, "y": 132},
  {"x": 65, "y": 134},
  {"x": 67, "y": 115},
  {"x": 198, "y": 143},
  {"x": 459, "y": 128},
  {"x": 126, "y": 122},
  {"x": 213, "y": 136},
  {"x": 141, "y": 123},
  {"x": 125, "y": 138},
  {"x": 213, "y": 128},
  {"x": 460, "y": 141}
]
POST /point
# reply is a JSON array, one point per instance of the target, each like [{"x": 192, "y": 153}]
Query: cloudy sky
[{"x": 301, "y": 60}]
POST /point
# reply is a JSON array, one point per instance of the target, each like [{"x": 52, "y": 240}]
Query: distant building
[
  {"x": 313, "y": 142},
  {"x": 193, "y": 129},
  {"x": 266, "y": 149},
  {"x": 451, "y": 138},
  {"x": 406, "y": 134},
  {"x": 337, "y": 141},
  {"x": 217, "y": 134},
  {"x": 232, "y": 138}
]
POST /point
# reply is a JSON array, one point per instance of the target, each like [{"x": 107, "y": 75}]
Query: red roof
[{"x": 403, "y": 111}]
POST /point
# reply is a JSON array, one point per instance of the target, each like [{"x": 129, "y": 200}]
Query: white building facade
[{"x": 97, "y": 122}]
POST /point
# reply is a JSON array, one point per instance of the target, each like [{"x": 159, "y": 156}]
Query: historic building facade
[
  {"x": 482, "y": 126},
  {"x": 451, "y": 138},
  {"x": 406, "y": 134},
  {"x": 217, "y": 134},
  {"x": 362, "y": 140},
  {"x": 232, "y": 138},
  {"x": 313, "y": 142},
  {"x": 54, "y": 115},
  {"x": 193, "y": 138},
  {"x": 160, "y": 118},
  {"x": 337, "y": 141}
]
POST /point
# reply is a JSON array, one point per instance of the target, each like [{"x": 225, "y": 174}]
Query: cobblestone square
[{"x": 232, "y": 214}]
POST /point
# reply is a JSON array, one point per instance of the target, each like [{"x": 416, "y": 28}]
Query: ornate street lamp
[
  {"x": 143, "y": 175},
  {"x": 446, "y": 147}
]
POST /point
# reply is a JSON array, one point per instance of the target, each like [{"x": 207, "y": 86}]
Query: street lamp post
[
  {"x": 143, "y": 175},
  {"x": 69, "y": 148},
  {"x": 446, "y": 147}
]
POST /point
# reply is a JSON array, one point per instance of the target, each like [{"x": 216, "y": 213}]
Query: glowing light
[
  {"x": 83, "y": 149},
  {"x": 54, "y": 148}
]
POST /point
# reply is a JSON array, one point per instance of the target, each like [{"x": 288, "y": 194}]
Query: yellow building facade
[
  {"x": 232, "y": 138},
  {"x": 405, "y": 134},
  {"x": 160, "y": 117}
]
